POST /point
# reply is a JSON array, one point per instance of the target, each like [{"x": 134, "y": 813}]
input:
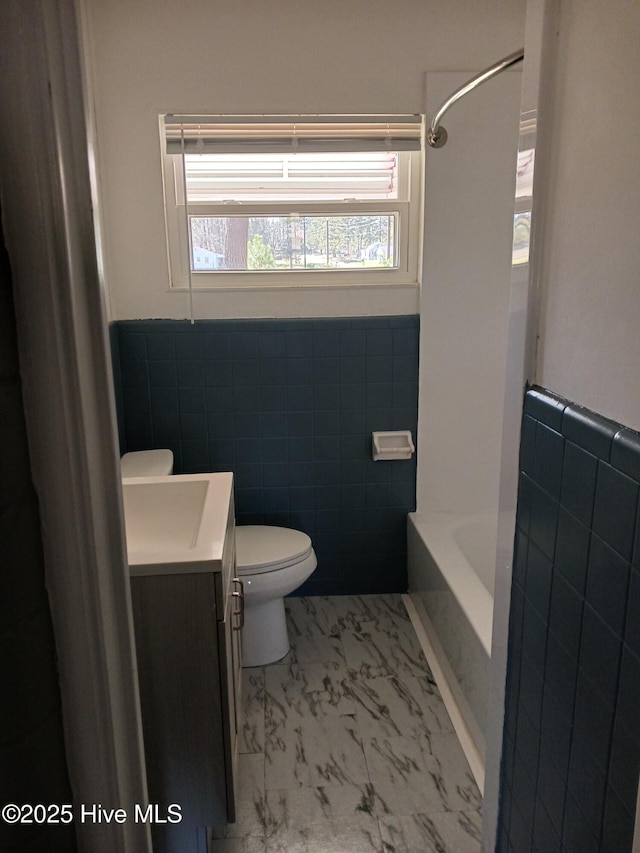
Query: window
[{"x": 282, "y": 201}]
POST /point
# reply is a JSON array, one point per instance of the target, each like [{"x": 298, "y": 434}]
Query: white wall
[
  {"x": 257, "y": 56},
  {"x": 465, "y": 295},
  {"x": 589, "y": 252}
]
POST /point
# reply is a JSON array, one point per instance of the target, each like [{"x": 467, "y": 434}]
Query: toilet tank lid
[
  {"x": 147, "y": 463},
  {"x": 263, "y": 546}
]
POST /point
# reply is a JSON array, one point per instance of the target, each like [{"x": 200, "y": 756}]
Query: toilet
[{"x": 271, "y": 562}]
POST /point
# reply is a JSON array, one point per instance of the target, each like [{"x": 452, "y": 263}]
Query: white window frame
[{"x": 407, "y": 208}]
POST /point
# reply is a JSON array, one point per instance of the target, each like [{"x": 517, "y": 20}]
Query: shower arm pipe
[{"x": 436, "y": 135}]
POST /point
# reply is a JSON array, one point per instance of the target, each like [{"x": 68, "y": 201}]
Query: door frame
[{"x": 69, "y": 406}]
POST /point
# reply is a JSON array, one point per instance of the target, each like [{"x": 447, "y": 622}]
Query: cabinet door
[{"x": 182, "y": 704}]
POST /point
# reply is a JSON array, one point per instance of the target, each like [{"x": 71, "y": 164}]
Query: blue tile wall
[
  {"x": 571, "y": 751},
  {"x": 289, "y": 406}
]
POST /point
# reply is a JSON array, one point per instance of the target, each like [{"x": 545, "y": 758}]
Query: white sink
[{"x": 176, "y": 523}]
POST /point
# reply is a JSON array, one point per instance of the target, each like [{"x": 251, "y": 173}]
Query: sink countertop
[{"x": 177, "y": 523}]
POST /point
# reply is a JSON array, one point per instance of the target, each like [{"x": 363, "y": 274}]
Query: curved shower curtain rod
[{"x": 436, "y": 135}]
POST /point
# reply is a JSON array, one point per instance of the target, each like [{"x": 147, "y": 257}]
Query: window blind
[
  {"x": 308, "y": 177},
  {"x": 291, "y": 134}
]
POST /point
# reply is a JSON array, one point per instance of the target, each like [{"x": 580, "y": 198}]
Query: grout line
[{"x": 467, "y": 743}]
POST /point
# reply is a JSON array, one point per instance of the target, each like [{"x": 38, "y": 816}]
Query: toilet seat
[{"x": 261, "y": 549}]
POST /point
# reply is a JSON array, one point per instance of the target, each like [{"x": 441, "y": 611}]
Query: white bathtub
[{"x": 451, "y": 564}]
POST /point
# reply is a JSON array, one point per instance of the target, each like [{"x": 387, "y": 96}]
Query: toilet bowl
[{"x": 271, "y": 562}]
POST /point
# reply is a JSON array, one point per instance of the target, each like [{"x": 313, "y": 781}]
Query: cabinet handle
[{"x": 240, "y": 596}]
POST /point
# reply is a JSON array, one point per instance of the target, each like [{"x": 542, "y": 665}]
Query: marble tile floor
[{"x": 346, "y": 746}]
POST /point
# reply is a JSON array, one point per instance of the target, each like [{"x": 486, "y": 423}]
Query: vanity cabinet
[{"x": 187, "y": 621}]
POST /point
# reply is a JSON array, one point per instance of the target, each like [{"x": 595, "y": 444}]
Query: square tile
[
  {"x": 408, "y": 706},
  {"x": 272, "y": 344},
  {"x": 534, "y": 636},
  {"x": 546, "y": 407},
  {"x": 378, "y": 612},
  {"x": 216, "y": 344},
  {"x": 446, "y": 832},
  {"x": 587, "y": 784},
  {"x": 545, "y": 837},
  {"x": 282, "y": 398},
  {"x": 528, "y": 446},
  {"x": 298, "y": 343},
  {"x": 531, "y": 688},
  {"x": 549, "y": 450},
  {"x": 218, "y": 372},
  {"x": 543, "y": 520},
  {"x": 607, "y": 584},
  {"x": 328, "y": 838},
  {"x": 600, "y": 651},
  {"x": 250, "y": 805},
  {"x": 331, "y": 817},
  {"x": 252, "y": 723},
  {"x": 418, "y": 775},
  {"x": 164, "y": 401},
  {"x": 565, "y": 614},
  {"x": 325, "y": 343},
  {"x": 528, "y": 739},
  {"x": 592, "y": 432},
  {"x": 614, "y": 512},
  {"x": 188, "y": 346},
  {"x": 312, "y": 616},
  {"x": 306, "y": 691},
  {"x": 191, "y": 401},
  {"x": 576, "y": 832},
  {"x": 160, "y": 346},
  {"x": 625, "y": 454},
  {"x": 572, "y": 550},
  {"x": 244, "y": 344},
  {"x": 593, "y": 723},
  {"x": 379, "y": 342},
  {"x": 372, "y": 654},
  {"x": 519, "y": 832},
  {"x": 618, "y": 824},
  {"x": 309, "y": 752},
  {"x": 315, "y": 649},
  {"x": 162, "y": 374},
  {"x": 190, "y": 374},
  {"x": 560, "y": 675},
  {"x": 523, "y": 794},
  {"x": 556, "y": 732},
  {"x": 405, "y": 369},
  {"x": 625, "y": 764},
  {"x": 538, "y": 581},
  {"x": 551, "y": 789}
]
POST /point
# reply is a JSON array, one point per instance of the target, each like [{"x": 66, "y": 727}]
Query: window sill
[{"x": 305, "y": 288}]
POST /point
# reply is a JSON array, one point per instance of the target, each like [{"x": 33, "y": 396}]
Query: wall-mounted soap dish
[{"x": 392, "y": 445}]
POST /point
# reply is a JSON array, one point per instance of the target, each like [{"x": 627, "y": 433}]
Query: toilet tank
[{"x": 147, "y": 463}]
